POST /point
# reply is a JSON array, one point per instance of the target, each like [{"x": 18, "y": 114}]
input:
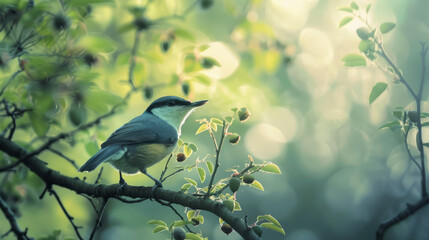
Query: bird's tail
[{"x": 101, "y": 156}]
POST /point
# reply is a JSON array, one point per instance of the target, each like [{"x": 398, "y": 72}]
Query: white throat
[{"x": 175, "y": 116}]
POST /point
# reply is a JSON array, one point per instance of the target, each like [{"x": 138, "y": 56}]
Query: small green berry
[
  {"x": 234, "y": 184},
  {"x": 226, "y": 228},
  {"x": 206, "y": 4},
  {"x": 248, "y": 178},
  {"x": 413, "y": 116},
  {"x": 179, "y": 233},
  {"x": 243, "y": 114},
  {"x": 147, "y": 92},
  {"x": 234, "y": 138},
  {"x": 229, "y": 204},
  {"x": 258, "y": 230}
]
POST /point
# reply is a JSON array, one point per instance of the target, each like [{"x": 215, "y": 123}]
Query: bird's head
[{"x": 173, "y": 110}]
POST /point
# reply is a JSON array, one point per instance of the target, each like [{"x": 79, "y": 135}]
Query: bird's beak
[{"x": 199, "y": 103}]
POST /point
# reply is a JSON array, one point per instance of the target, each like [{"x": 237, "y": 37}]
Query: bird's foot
[{"x": 157, "y": 184}]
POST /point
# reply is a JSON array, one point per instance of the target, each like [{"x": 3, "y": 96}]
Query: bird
[{"x": 146, "y": 139}]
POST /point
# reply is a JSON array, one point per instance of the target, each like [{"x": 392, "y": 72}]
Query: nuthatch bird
[{"x": 146, "y": 139}]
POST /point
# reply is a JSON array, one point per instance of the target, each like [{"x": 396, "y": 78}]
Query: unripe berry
[
  {"x": 248, "y": 178},
  {"x": 226, "y": 228},
  {"x": 180, "y": 157},
  {"x": 229, "y": 204},
  {"x": 234, "y": 184},
  {"x": 179, "y": 234},
  {"x": 234, "y": 138},
  {"x": 243, "y": 114},
  {"x": 413, "y": 116},
  {"x": 258, "y": 230}
]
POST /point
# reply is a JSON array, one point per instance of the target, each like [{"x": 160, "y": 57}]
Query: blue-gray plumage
[{"x": 146, "y": 139}]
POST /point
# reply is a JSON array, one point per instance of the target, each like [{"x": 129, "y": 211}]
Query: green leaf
[
  {"x": 376, "y": 91},
  {"x": 203, "y": 79},
  {"x": 237, "y": 206},
  {"x": 180, "y": 223},
  {"x": 187, "y": 150},
  {"x": 345, "y": 20},
  {"x": 39, "y": 124},
  {"x": 193, "y": 236},
  {"x": 364, "y": 33},
  {"x": 424, "y": 115},
  {"x": 354, "y": 60},
  {"x": 256, "y": 184},
  {"x": 398, "y": 114},
  {"x": 213, "y": 126},
  {"x": 202, "y": 128},
  {"x": 203, "y": 47},
  {"x": 425, "y": 124},
  {"x": 391, "y": 125},
  {"x": 368, "y": 7},
  {"x": 185, "y": 187},
  {"x": 190, "y": 214},
  {"x": 367, "y": 46},
  {"x": 210, "y": 167},
  {"x": 354, "y": 6},
  {"x": 98, "y": 43},
  {"x": 202, "y": 174},
  {"x": 184, "y": 34},
  {"x": 159, "y": 228},
  {"x": 426, "y": 144},
  {"x": 271, "y": 168},
  {"x": 91, "y": 148},
  {"x": 193, "y": 147},
  {"x": 386, "y": 27},
  {"x": 228, "y": 119},
  {"x": 200, "y": 218},
  {"x": 75, "y": 3},
  {"x": 346, "y": 9},
  {"x": 217, "y": 121},
  {"x": 157, "y": 222},
  {"x": 273, "y": 227},
  {"x": 270, "y": 219},
  {"x": 191, "y": 181}
]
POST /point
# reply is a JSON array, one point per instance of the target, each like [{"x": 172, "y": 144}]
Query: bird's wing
[{"x": 137, "y": 131}]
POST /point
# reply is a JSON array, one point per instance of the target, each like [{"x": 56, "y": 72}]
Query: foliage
[
  {"x": 55, "y": 58},
  {"x": 372, "y": 47}
]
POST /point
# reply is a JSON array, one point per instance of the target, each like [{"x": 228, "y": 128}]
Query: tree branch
[
  {"x": 99, "y": 217},
  {"x": 111, "y": 191},
  {"x": 14, "y": 227},
  {"x": 69, "y": 217},
  {"x": 410, "y": 210}
]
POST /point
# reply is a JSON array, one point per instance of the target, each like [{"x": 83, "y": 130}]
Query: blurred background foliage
[{"x": 342, "y": 176}]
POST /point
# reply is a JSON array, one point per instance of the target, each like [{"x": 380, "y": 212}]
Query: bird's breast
[{"x": 144, "y": 156}]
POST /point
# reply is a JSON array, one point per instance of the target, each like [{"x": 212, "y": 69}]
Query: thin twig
[
  {"x": 239, "y": 175},
  {"x": 408, "y": 149},
  {"x": 218, "y": 148},
  {"x": 14, "y": 227},
  {"x": 63, "y": 135},
  {"x": 419, "y": 122},
  {"x": 165, "y": 167},
  {"x": 71, "y": 161},
  {"x": 410, "y": 210},
  {"x": 99, "y": 217},
  {"x": 10, "y": 80},
  {"x": 69, "y": 217},
  {"x": 172, "y": 174},
  {"x": 97, "y": 180},
  {"x": 133, "y": 59},
  {"x": 175, "y": 211}
]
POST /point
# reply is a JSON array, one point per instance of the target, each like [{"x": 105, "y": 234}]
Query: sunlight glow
[{"x": 265, "y": 141}]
